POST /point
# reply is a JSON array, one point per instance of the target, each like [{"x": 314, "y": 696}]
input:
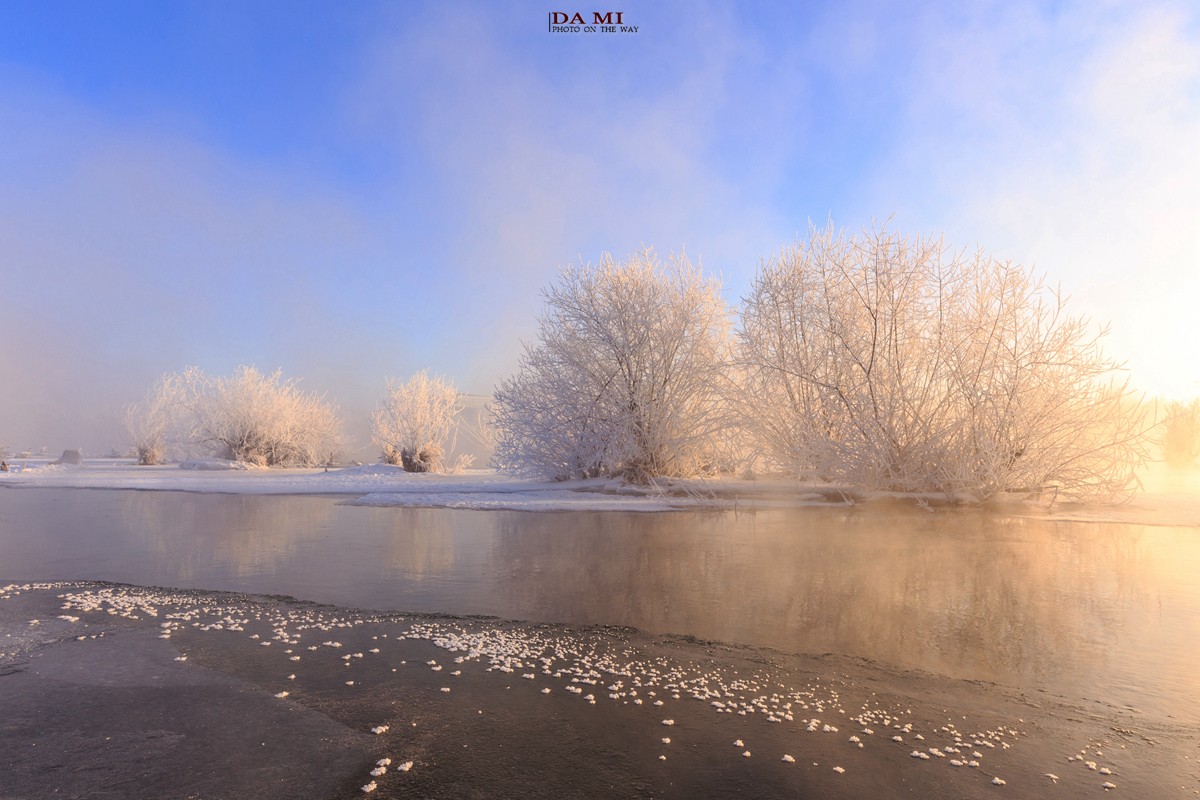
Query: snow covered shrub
[
  {"x": 625, "y": 379},
  {"x": 155, "y": 423},
  {"x": 896, "y": 364},
  {"x": 415, "y": 422},
  {"x": 477, "y": 425},
  {"x": 1181, "y": 434},
  {"x": 258, "y": 419}
]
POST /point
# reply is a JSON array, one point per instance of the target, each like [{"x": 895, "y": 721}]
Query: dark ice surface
[{"x": 118, "y": 691}]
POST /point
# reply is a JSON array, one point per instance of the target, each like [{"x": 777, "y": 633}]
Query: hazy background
[{"x": 351, "y": 191}]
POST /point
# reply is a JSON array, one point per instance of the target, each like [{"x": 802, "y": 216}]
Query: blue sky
[{"x": 351, "y": 191}]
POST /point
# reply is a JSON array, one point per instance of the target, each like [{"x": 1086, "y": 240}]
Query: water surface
[{"x": 1097, "y": 610}]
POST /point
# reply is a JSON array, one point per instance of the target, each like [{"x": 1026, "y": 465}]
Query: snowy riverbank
[
  {"x": 372, "y": 484},
  {"x": 1170, "y": 499}
]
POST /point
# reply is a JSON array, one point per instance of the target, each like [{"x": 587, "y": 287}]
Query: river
[{"x": 1095, "y": 610}]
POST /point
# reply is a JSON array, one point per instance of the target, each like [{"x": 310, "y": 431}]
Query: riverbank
[
  {"x": 1169, "y": 497},
  {"x": 116, "y": 691}
]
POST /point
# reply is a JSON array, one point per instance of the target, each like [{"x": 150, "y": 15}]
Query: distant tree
[
  {"x": 250, "y": 417},
  {"x": 478, "y": 426},
  {"x": 415, "y": 421},
  {"x": 896, "y": 364},
  {"x": 260, "y": 419},
  {"x": 1181, "y": 433},
  {"x": 154, "y": 424},
  {"x": 626, "y": 377}
]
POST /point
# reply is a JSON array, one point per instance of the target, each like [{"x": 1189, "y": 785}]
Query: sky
[{"x": 356, "y": 191}]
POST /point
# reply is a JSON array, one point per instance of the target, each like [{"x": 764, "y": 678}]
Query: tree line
[{"x": 871, "y": 360}]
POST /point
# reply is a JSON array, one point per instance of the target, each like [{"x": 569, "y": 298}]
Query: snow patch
[{"x": 213, "y": 464}]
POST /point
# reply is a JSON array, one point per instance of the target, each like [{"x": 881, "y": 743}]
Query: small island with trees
[{"x": 870, "y": 360}]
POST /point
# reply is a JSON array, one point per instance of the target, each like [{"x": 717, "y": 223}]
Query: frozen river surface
[{"x": 1108, "y": 611}]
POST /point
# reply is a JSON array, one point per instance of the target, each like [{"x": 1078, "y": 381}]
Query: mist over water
[{"x": 1106, "y": 611}]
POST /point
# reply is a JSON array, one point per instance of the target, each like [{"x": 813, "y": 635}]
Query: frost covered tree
[
  {"x": 1181, "y": 434},
  {"x": 415, "y": 421},
  {"x": 261, "y": 419},
  {"x": 154, "y": 424},
  {"x": 626, "y": 378},
  {"x": 896, "y": 364},
  {"x": 250, "y": 417}
]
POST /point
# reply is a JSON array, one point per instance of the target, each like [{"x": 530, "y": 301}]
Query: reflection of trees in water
[
  {"x": 960, "y": 592},
  {"x": 308, "y": 546},
  {"x": 419, "y": 543},
  {"x": 236, "y": 535},
  {"x": 612, "y": 568}
]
